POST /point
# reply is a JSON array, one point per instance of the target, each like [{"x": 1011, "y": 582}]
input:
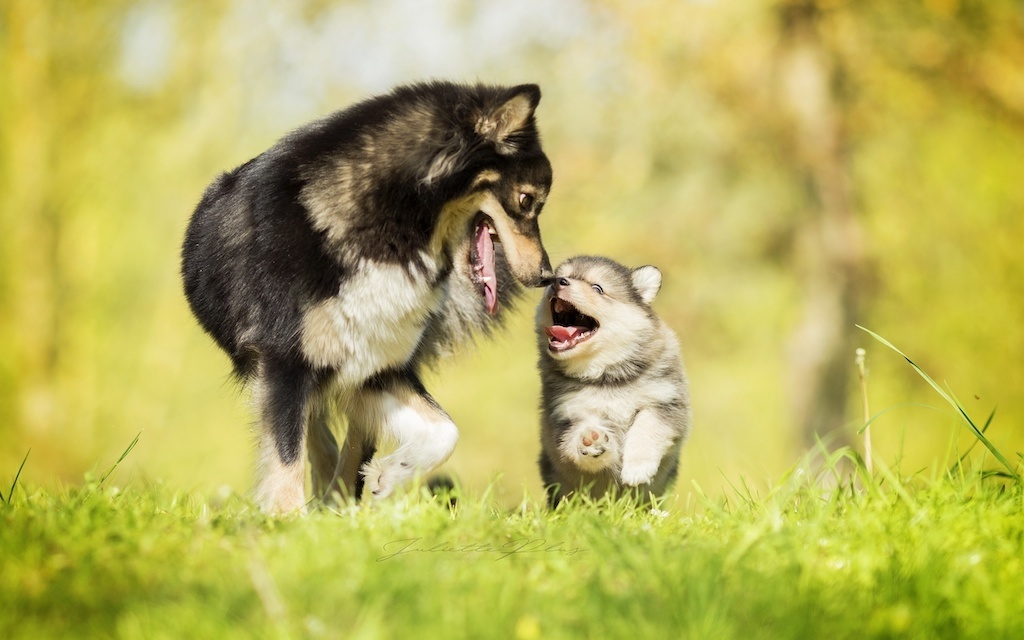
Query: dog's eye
[
  {"x": 525, "y": 201},
  {"x": 597, "y": 288}
]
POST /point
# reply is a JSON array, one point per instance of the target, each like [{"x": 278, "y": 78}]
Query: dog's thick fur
[
  {"x": 331, "y": 267},
  {"x": 615, "y": 407}
]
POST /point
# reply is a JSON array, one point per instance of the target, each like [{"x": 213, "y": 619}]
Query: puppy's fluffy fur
[{"x": 615, "y": 398}]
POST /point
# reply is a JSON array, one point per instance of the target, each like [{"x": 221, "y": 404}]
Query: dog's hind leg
[
  {"x": 407, "y": 417},
  {"x": 283, "y": 393},
  {"x": 324, "y": 457},
  {"x": 359, "y": 448}
]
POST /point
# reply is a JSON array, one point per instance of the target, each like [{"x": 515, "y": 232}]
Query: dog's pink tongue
[
  {"x": 562, "y": 334},
  {"x": 485, "y": 251}
]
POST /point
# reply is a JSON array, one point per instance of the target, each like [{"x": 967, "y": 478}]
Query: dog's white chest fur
[{"x": 375, "y": 322}]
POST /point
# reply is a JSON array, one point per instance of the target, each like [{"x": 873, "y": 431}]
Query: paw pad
[{"x": 594, "y": 443}]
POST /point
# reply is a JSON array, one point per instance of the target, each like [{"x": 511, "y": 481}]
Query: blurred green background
[{"x": 793, "y": 168}]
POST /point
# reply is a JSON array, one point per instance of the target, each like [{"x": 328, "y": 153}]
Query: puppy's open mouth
[
  {"x": 569, "y": 328},
  {"x": 482, "y": 259}
]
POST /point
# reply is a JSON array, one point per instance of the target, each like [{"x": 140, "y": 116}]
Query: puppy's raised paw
[
  {"x": 591, "y": 448},
  {"x": 593, "y": 442}
]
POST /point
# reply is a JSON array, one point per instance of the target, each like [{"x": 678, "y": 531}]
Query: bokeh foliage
[{"x": 681, "y": 134}]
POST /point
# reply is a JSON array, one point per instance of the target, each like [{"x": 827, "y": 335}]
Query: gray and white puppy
[{"x": 615, "y": 398}]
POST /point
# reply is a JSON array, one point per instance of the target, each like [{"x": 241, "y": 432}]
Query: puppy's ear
[
  {"x": 512, "y": 116},
  {"x": 647, "y": 282}
]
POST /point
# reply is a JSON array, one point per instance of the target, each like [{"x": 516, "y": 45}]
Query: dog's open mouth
[
  {"x": 569, "y": 328},
  {"x": 482, "y": 257}
]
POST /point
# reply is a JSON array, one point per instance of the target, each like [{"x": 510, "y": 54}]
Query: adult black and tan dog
[{"x": 353, "y": 251}]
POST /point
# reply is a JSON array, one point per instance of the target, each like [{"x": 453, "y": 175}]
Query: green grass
[
  {"x": 824, "y": 554},
  {"x": 942, "y": 558}
]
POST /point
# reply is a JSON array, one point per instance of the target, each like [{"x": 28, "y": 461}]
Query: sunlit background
[{"x": 794, "y": 168}]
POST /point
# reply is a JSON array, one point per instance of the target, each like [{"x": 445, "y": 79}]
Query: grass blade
[
  {"x": 10, "y": 493},
  {"x": 960, "y": 461},
  {"x": 121, "y": 459},
  {"x": 952, "y": 401}
]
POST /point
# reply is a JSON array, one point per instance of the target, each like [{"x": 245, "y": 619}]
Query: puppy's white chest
[
  {"x": 375, "y": 322},
  {"x": 613, "y": 407},
  {"x": 617, "y": 405}
]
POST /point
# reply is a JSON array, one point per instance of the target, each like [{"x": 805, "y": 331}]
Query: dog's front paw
[
  {"x": 381, "y": 476},
  {"x": 637, "y": 472}
]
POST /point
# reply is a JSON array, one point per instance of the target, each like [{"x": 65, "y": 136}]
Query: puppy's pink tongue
[
  {"x": 485, "y": 252},
  {"x": 562, "y": 334}
]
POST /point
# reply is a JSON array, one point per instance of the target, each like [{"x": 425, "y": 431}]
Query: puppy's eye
[
  {"x": 525, "y": 201},
  {"x": 597, "y": 288}
]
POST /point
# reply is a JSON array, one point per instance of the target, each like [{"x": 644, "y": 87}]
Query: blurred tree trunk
[
  {"x": 829, "y": 245},
  {"x": 30, "y": 261}
]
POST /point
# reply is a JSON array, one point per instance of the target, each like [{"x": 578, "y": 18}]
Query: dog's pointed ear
[
  {"x": 647, "y": 282},
  {"x": 511, "y": 116}
]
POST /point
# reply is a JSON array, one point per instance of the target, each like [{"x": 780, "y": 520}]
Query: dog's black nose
[{"x": 546, "y": 276}]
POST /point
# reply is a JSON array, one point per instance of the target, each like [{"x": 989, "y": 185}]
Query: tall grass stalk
[
  {"x": 10, "y": 492},
  {"x": 948, "y": 396},
  {"x": 862, "y": 370},
  {"x": 121, "y": 459}
]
